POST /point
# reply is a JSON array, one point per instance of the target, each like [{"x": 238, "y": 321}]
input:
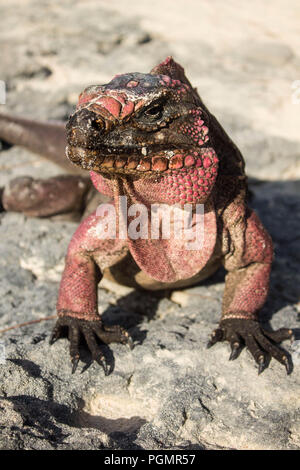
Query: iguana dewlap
[{"x": 149, "y": 137}]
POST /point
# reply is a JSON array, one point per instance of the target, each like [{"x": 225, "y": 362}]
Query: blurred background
[{"x": 242, "y": 56}]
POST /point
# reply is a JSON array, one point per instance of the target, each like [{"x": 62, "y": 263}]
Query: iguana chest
[
  {"x": 168, "y": 244},
  {"x": 182, "y": 254}
]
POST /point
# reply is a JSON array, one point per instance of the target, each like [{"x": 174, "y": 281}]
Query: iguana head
[{"x": 146, "y": 126}]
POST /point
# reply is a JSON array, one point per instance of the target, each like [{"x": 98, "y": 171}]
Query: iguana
[{"x": 150, "y": 137}]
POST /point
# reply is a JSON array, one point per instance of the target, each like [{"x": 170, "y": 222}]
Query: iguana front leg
[
  {"x": 77, "y": 305},
  {"x": 248, "y": 262}
]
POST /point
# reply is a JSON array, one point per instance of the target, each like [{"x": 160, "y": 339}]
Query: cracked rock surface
[{"x": 169, "y": 392}]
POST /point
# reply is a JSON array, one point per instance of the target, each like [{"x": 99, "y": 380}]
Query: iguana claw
[
  {"x": 235, "y": 351},
  {"x": 90, "y": 331},
  {"x": 75, "y": 362},
  {"x": 261, "y": 364},
  {"x": 260, "y": 342}
]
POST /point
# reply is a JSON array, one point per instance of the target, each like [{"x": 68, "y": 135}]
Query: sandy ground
[
  {"x": 239, "y": 54},
  {"x": 237, "y": 33}
]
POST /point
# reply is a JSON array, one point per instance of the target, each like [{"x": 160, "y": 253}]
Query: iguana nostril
[
  {"x": 83, "y": 127},
  {"x": 80, "y": 116}
]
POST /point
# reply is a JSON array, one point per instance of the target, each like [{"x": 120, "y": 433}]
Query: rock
[
  {"x": 116, "y": 288},
  {"x": 170, "y": 391}
]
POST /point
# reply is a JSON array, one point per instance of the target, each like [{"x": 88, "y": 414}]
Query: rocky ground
[{"x": 169, "y": 391}]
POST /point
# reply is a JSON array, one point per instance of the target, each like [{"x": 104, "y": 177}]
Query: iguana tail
[{"x": 47, "y": 139}]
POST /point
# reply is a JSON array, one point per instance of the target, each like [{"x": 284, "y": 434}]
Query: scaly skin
[{"x": 151, "y": 138}]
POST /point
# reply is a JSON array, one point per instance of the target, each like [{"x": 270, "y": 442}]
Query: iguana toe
[
  {"x": 91, "y": 332},
  {"x": 260, "y": 342}
]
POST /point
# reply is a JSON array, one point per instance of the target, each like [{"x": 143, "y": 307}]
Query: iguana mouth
[{"x": 142, "y": 161}]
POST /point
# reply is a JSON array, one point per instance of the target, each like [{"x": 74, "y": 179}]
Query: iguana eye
[{"x": 155, "y": 111}]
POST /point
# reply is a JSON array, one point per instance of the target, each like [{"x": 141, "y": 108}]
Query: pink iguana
[{"x": 149, "y": 137}]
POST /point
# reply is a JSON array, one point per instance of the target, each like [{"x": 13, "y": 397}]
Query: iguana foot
[
  {"x": 90, "y": 331},
  {"x": 261, "y": 343}
]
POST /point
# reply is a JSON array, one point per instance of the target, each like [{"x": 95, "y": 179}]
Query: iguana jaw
[{"x": 140, "y": 162}]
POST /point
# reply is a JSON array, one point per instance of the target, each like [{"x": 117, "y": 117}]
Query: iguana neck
[{"x": 191, "y": 184}]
